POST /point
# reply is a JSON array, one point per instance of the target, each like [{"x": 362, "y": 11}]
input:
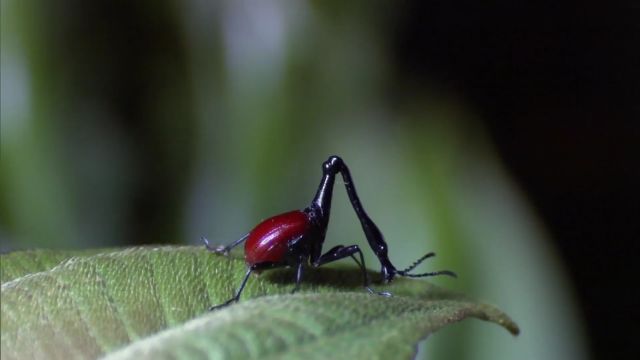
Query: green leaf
[
  {"x": 88, "y": 306},
  {"x": 311, "y": 326},
  {"x": 20, "y": 263}
]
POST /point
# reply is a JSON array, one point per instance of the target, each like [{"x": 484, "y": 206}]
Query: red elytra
[{"x": 267, "y": 242}]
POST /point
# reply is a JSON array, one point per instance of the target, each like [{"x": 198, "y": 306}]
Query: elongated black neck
[
  {"x": 322, "y": 204},
  {"x": 322, "y": 200}
]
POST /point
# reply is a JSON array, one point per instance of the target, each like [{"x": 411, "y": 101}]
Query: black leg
[
  {"x": 256, "y": 267},
  {"x": 376, "y": 240},
  {"x": 299, "y": 271},
  {"x": 322, "y": 204},
  {"x": 322, "y": 201},
  {"x": 371, "y": 231},
  {"x": 222, "y": 249},
  {"x": 237, "y": 296},
  {"x": 341, "y": 252}
]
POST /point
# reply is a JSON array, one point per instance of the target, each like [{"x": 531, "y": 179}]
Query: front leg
[
  {"x": 341, "y": 252},
  {"x": 299, "y": 271},
  {"x": 256, "y": 267},
  {"x": 297, "y": 250},
  {"x": 223, "y": 249},
  {"x": 236, "y": 297}
]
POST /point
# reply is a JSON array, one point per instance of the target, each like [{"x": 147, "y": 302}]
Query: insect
[{"x": 295, "y": 238}]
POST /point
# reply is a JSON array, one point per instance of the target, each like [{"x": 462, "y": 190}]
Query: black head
[{"x": 333, "y": 165}]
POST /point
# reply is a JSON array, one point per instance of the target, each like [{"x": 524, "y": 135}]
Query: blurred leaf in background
[{"x": 159, "y": 122}]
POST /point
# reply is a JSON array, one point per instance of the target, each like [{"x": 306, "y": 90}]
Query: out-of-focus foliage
[{"x": 164, "y": 121}]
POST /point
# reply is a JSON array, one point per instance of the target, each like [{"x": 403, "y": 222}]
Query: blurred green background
[{"x": 159, "y": 122}]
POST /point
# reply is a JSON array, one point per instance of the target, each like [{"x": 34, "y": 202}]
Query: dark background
[{"x": 558, "y": 85}]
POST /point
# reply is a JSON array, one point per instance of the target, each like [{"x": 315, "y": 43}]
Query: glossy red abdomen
[{"x": 267, "y": 242}]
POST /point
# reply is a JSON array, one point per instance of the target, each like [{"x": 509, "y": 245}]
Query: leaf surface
[{"x": 152, "y": 302}]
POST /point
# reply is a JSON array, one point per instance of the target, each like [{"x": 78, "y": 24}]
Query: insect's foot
[
  {"x": 381, "y": 293},
  {"x": 207, "y": 244},
  {"x": 221, "y": 249},
  {"x": 223, "y": 305}
]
